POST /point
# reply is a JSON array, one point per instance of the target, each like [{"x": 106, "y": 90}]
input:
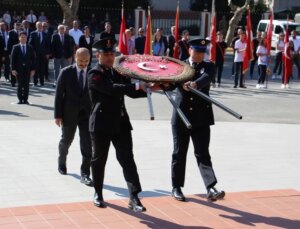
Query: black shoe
[
  {"x": 62, "y": 170},
  {"x": 135, "y": 204},
  {"x": 13, "y": 85},
  {"x": 234, "y": 86},
  {"x": 213, "y": 194},
  {"x": 86, "y": 180},
  {"x": 243, "y": 86},
  {"x": 98, "y": 201},
  {"x": 177, "y": 194},
  {"x": 26, "y": 102},
  {"x": 20, "y": 102}
]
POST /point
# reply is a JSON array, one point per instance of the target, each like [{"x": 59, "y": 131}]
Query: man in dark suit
[
  {"x": 26, "y": 28},
  {"x": 109, "y": 122},
  {"x": 48, "y": 31},
  {"x": 140, "y": 42},
  {"x": 4, "y": 60},
  {"x": 200, "y": 115},
  {"x": 171, "y": 42},
  {"x": 71, "y": 110},
  {"x": 62, "y": 49},
  {"x": 22, "y": 64},
  {"x": 13, "y": 39},
  {"x": 41, "y": 45}
]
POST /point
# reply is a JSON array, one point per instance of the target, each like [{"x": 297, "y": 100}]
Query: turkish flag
[
  {"x": 248, "y": 54},
  {"x": 122, "y": 39},
  {"x": 148, "y": 43},
  {"x": 213, "y": 39},
  {"x": 287, "y": 57}
]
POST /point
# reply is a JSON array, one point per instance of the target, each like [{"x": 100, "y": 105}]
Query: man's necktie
[
  {"x": 23, "y": 50},
  {"x": 81, "y": 79},
  {"x": 62, "y": 39},
  {"x": 40, "y": 37}
]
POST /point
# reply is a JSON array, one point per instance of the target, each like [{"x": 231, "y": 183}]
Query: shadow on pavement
[
  {"x": 43, "y": 107},
  {"x": 248, "y": 218},
  {"x": 2, "y": 112},
  {"x": 151, "y": 221}
]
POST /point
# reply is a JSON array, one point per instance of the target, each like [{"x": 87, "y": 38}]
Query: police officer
[
  {"x": 109, "y": 122},
  {"x": 200, "y": 115}
]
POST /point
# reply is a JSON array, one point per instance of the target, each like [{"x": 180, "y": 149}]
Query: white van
[{"x": 279, "y": 26}]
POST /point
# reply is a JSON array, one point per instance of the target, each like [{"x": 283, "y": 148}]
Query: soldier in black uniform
[
  {"x": 200, "y": 114},
  {"x": 109, "y": 122}
]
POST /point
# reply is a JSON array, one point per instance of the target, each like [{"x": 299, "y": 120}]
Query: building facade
[{"x": 171, "y": 4}]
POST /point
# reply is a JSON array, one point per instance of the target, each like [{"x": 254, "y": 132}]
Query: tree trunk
[
  {"x": 69, "y": 9},
  {"x": 234, "y": 21}
]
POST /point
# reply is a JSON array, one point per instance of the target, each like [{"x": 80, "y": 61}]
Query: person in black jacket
[
  {"x": 184, "y": 45},
  {"x": 109, "y": 122},
  {"x": 140, "y": 42},
  {"x": 4, "y": 60},
  {"x": 200, "y": 114},
  {"x": 71, "y": 110},
  {"x": 87, "y": 41},
  {"x": 41, "y": 45},
  {"x": 107, "y": 33},
  {"x": 13, "y": 39},
  {"x": 221, "y": 47},
  {"x": 22, "y": 65},
  {"x": 49, "y": 32},
  {"x": 171, "y": 42},
  {"x": 62, "y": 49}
]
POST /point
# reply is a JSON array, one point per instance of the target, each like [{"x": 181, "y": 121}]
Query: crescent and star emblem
[{"x": 143, "y": 66}]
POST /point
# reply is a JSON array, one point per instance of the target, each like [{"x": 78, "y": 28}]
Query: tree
[
  {"x": 70, "y": 9},
  {"x": 237, "y": 16}
]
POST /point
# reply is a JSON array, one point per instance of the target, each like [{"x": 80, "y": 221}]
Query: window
[
  {"x": 262, "y": 27},
  {"x": 278, "y": 29}
]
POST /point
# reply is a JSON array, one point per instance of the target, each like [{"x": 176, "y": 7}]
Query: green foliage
[
  {"x": 221, "y": 5},
  {"x": 259, "y": 8},
  {"x": 128, "y": 4}
]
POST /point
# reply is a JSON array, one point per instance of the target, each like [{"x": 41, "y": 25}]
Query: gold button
[
  {"x": 207, "y": 106},
  {"x": 191, "y": 108},
  {"x": 100, "y": 110},
  {"x": 191, "y": 98}
]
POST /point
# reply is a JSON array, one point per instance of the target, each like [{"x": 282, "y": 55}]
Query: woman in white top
[
  {"x": 262, "y": 54},
  {"x": 278, "y": 60}
]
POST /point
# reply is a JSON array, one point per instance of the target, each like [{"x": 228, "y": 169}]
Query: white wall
[{"x": 170, "y": 4}]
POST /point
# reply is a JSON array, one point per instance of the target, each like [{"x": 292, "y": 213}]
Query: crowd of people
[{"x": 92, "y": 97}]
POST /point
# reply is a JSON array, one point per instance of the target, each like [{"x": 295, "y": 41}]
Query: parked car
[{"x": 279, "y": 26}]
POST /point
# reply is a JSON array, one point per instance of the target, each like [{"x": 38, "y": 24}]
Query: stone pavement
[
  {"x": 256, "y": 161},
  {"x": 264, "y": 209}
]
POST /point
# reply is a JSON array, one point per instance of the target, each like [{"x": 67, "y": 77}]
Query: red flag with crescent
[
  {"x": 122, "y": 38},
  {"x": 248, "y": 54}
]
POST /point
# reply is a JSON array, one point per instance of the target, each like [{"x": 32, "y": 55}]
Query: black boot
[
  {"x": 98, "y": 201},
  {"x": 135, "y": 204}
]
